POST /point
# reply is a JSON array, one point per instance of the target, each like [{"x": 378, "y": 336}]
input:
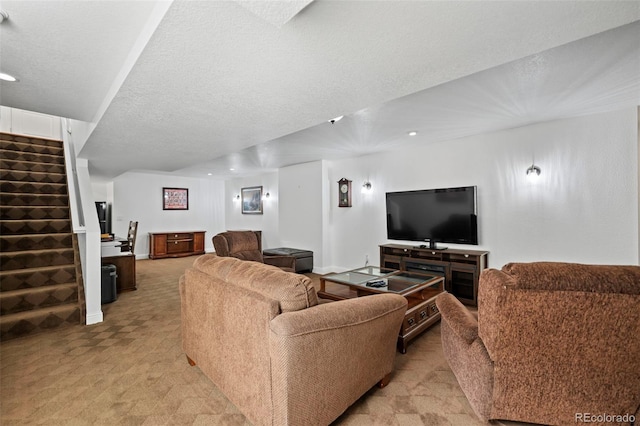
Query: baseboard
[
  {"x": 333, "y": 269},
  {"x": 94, "y": 318},
  {"x": 322, "y": 270}
]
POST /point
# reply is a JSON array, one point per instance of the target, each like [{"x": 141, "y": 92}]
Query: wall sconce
[
  {"x": 366, "y": 187},
  {"x": 533, "y": 172},
  {"x": 237, "y": 197},
  {"x": 266, "y": 196}
]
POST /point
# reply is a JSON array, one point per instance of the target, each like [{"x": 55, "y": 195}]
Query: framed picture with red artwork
[{"x": 175, "y": 199}]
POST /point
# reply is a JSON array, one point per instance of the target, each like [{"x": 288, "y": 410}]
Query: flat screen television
[{"x": 447, "y": 215}]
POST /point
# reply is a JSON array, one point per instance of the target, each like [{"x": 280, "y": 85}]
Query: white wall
[
  {"x": 100, "y": 191},
  {"x": 138, "y": 196},
  {"x": 266, "y": 222},
  {"x": 583, "y": 209},
  {"x": 302, "y": 201},
  {"x": 81, "y": 132},
  {"x": 22, "y": 122}
]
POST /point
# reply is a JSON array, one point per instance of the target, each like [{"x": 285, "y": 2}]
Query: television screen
[{"x": 447, "y": 215}]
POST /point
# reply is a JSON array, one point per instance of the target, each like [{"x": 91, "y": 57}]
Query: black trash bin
[{"x": 109, "y": 284}]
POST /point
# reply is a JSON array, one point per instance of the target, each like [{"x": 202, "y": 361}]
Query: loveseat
[
  {"x": 553, "y": 343},
  {"x": 262, "y": 338}
]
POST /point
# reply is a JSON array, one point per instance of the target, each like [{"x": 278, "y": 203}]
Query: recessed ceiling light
[
  {"x": 231, "y": 169},
  {"x": 209, "y": 174},
  {"x": 412, "y": 133},
  {"x": 7, "y": 77}
]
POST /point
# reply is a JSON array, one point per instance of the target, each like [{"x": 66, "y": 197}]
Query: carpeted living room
[
  {"x": 314, "y": 212},
  {"x": 131, "y": 370}
]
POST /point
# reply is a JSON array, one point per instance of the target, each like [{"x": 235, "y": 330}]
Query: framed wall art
[
  {"x": 252, "y": 200},
  {"x": 175, "y": 199}
]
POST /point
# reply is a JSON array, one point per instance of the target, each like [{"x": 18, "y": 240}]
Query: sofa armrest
[
  {"x": 281, "y": 261},
  {"x": 336, "y": 315},
  {"x": 326, "y": 357},
  {"x": 462, "y": 322}
]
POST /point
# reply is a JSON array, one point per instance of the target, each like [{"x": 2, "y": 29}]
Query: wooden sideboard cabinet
[
  {"x": 175, "y": 244},
  {"x": 460, "y": 268}
]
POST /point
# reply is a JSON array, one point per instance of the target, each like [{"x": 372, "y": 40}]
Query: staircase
[{"x": 40, "y": 279}]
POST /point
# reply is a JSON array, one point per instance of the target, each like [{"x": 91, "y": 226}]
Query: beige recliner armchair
[
  {"x": 247, "y": 245},
  {"x": 553, "y": 343},
  {"x": 262, "y": 338}
]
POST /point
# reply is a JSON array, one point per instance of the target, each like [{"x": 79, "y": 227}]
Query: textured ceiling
[
  {"x": 66, "y": 53},
  {"x": 226, "y": 84},
  {"x": 276, "y": 12},
  {"x": 596, "y": 74}
]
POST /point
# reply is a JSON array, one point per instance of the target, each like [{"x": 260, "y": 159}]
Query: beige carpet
[{"x": 130, "y": 370}]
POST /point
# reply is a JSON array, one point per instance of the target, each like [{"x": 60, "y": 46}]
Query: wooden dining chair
[{"x": 131, "y": 237}]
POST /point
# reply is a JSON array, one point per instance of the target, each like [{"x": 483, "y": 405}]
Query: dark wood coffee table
[{"x": 420, "y": 290}]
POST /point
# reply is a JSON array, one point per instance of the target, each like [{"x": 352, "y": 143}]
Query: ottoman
[{"x": 304, "y": 258}]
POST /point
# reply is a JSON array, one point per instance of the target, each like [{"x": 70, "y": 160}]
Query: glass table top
[
  {"x": 373, "y": 270},
  {"x": 380, "y": 279}
]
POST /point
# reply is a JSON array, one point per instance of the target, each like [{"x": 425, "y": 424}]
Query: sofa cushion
[
  {"x": 292, "y": 291},
  {"x": 575, "y": 277}
]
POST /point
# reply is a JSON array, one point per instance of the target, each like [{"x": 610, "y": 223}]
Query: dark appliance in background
[{"x": 104, "y": 217}]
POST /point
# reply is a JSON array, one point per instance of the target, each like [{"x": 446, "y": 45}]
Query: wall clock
[{"x": 344, "y": 193}]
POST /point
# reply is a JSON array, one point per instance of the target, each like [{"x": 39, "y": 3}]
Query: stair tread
[
  {"x": 32, "y": 183},
  {"x": 20, "y": 144},
  {"x": 34, "y": 206},
  {"x": 31, "y": 193},
  {"x": 26, "y": 171},
  {"x": 29, "y": 228},
  {"x": 38, "y": 311},
  {"x": 39, "y": 251},
  {"x": 45, "y": 234},
  {"x": 40, "y": 289},
  {"x": 48, "y": 207},
  {"x": 31, "y": 152},
  {"x": 8, "y": 136},
  {"x": 17, "y": 213},
  {"x": 36, "y": 220},
  {"x": 28, "y": 161},
  {"x": 10, "y": 160},
  {"x": 33, "y": 220},
  {"x": 33, "y": 162},
  {"x": 20, "y": 166},
  {"x": 36, "y": 269}
]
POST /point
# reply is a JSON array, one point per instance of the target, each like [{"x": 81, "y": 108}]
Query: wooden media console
[
  {"x": 175, "y": 244},
  {"x": 460, "y": 268}
]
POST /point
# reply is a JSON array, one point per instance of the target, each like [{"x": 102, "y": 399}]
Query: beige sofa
[
  {"x": 262, "y": 338},
  {"x": 553, "y": 343}
]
